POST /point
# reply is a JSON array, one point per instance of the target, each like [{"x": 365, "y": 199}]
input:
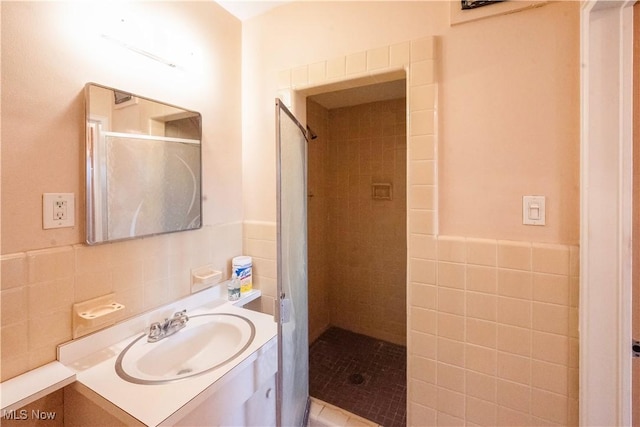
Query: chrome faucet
[{"x": 158, "y": 331}]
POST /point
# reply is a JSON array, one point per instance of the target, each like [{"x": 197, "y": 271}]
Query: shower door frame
[{"x": 281, "y": 297}]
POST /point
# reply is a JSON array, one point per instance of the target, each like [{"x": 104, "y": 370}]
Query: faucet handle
[
  {"x": 181, "y": 315},
  {"x": 155, "y": 330}
]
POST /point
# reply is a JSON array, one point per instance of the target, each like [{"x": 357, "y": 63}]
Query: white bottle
[{"x": 233, "y": 288}]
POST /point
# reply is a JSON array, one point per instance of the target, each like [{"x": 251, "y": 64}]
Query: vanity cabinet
[{"x": 245, "y": 396}]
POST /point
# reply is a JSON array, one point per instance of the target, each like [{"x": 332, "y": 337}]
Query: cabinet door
[{"x": 260, "y": 409}]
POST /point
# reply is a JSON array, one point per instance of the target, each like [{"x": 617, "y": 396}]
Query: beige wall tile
[
  {"x": 481, "y": 306},
  {"x": 514, "y": 340},
  {"x": 422, "y": 172},
  {"x": 356, "y": 63},
  {"x": 574, "y": 291},
  {"x": 551, "y": 318},
  {"x": 514, "y": 311},
  {"x": 549, "y": 377},
  {"x": 284, "y": 79},
  {"x": 481, "y": 386},
  {"x": 451, "y": 301},
  {"x": 451, "y": 377},
  {"x": 509, "y": 418},
  {"x": 451, "y": 352},
  {"x": 451, "y": 275},
  {"x": 424, "y": 320},
  {"x": 259, "y": 230},
  {"x": 425, "y": 394},
  {"x": 516, "y": 284},
  {"x": 378, "y": 58},
  {"x": 421, "y": 221},
  {"x": 481, "y": 359},
  {"x": 318, "y": 72},
  {"x": 13, "y": 271},
  {"x": 514, "y": 255},
  {"x": 549, "y": 406},
  {"x": 92, "y": 285},
  {"x": 482, "y": 252},
  {"x": 481, "y": 332},
  {"x": 424, "y": 345},
  {"x": 422, "y": 49},
  {"x": 424, "y": 296},
  {"x": 423, "y": 369},
  {"x": 399, "y": 54},
  {"x": 50, "y": 264},
  {"x": 13, "y": 305},
  {"x": 514, "y": 368},
  {"x": 300, "y": 76},
  {"x": 451, "y": 249},
  {"x": 422, "y": 73},
  {"x": 92, "y": 258},
  {"x": 49, "y": 329},
  {"x": 550, "y": 347},
  {"x": 514, "y": 396},
  {"x": 336, "y": 67},
  {"x": 422, "y": 97},
  {"x": 422, "y": 197},
  {"x": 423, "y": 271},
  {"x": 451, "y": 326},
  {"x": 444, "y": 419},
  {"x": 422, "y": 123},
  {"x": 260, "y": 248},
  {"x": 49, "y": 297},
  {"x": 573, "y": 352},
  {"x": 551, "y": 259},
  {"x": 15, "y": 339},
  {"x": 551, "y": 288},
  {"x": 422, "y": 246},
  {"x": 574, "y": 260},
  {"x": 421, "y": 147},
  {"x": 481, "y": 412},
  {"x": 481, "y": 279},
  {"x": 450, "y": 403},
  {"x": 419, "y": 414}
]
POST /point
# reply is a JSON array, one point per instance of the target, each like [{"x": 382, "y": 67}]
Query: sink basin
[{"x": 206, "y": 343}]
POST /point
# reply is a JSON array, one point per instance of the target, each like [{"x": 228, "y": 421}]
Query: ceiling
[
  {"x": 361, "y": 95},
  {"x": 246, "y": 9}
]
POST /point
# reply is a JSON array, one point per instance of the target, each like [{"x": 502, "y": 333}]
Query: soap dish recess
[
  {"x": 100, "y": 311},
  {"x": 93, "y": 314}
]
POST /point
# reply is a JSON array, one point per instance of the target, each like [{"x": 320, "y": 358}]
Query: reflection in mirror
[{"x": 143, "y": 166}]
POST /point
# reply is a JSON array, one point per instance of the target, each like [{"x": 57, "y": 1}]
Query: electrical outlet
[{"x": 58, "y": 210}]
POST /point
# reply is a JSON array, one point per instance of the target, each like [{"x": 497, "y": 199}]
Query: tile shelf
[{"x": 31, "y": 386}]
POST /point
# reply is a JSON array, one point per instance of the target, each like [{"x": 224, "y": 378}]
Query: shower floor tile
[{"x": 360, "y": 374}]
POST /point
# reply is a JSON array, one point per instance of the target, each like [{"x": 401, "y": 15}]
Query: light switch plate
[
  {"x": 58, "y": 210},
  {"x": 533, "y": 210}
]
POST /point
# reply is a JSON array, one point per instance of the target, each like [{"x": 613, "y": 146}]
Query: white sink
[{"x": 206, "y": 343}]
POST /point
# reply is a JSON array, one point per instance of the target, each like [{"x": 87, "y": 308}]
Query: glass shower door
[{"x": 292, "y": 311}]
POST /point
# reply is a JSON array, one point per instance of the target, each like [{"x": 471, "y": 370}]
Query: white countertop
[{"x": 92, "y": 358}]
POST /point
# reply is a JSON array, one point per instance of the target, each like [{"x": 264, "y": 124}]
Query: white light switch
[{"x": 533, "y": 210}]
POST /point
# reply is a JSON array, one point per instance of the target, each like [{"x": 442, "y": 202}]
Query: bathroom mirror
[{"x": 143, "y": 166}]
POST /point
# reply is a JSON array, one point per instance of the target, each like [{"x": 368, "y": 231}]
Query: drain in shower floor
[{"x": 356, "y": 379}]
